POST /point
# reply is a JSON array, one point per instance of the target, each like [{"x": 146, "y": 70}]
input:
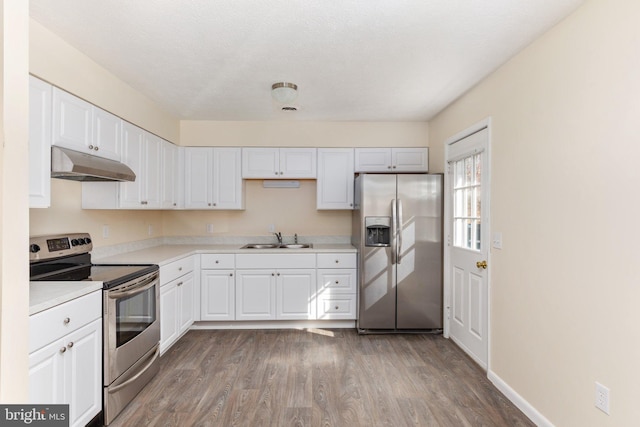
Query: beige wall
[
  {"x": 564, "y": 296},
  {"x": 304, "y": 134},
  {"x": 54, "y": 60},
  {"x": 14, "y": 226}
]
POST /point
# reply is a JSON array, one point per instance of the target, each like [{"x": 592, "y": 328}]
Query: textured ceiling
[{"x": 379, "y": 60}]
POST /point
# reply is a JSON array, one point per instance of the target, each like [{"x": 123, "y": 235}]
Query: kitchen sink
[{"x": 284, "y": 246}]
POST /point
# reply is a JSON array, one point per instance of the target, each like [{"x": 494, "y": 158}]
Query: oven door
[{"x": 131, "y": 324}]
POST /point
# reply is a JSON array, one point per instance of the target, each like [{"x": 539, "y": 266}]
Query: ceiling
[{"x": 371, "y": 60}]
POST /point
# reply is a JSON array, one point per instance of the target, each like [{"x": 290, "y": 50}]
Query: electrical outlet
[
  {"x": 496, "y": 242},
  {"x": 272, "y": 228},
  {"x": 150, "y": 230},
  {"x": 602, "y": 398},
  {"x": 210, "y": 228},
  {"x": 105, "y": 231}
]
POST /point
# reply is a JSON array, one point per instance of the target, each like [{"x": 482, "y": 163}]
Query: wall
[
  {"x": 14, "y": 231},
  {"x": 564, "y": 193}
]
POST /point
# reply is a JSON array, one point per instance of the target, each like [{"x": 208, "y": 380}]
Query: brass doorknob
[{"x": 482, "y": 264}]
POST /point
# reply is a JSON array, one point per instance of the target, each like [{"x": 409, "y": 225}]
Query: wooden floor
[{"x": 318, "y": 378}]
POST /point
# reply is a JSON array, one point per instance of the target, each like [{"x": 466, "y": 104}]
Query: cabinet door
[
  {"x": 131, "y": 193},
  {"x": 168, "y": 315},
  {"x": 83, "y": 365},
  {"x": 71, "y": 122},
  {"x": 410, "y": 159},
  {"x": 46, "y": 374},
  {"x": 197, "y": 169},
  {"x": 39, "y": 143},
  {"x": 298, "y": 163},
  {"x": 168, "y": 173},
  {"x": 296, "y": 294},
  {"x": 151, "y": 180},
  {"x": 255, "y": 295},
  {"x": 218, "y": 295},
  {"x": 227, "y": 179},
  {"x": 260, "y": 163},
  {"x": 373, "y": 160},
  {"x": 107, "y": 132},
  {"x": 186, "y": 299},
  {"x": 335, "y": 178}
]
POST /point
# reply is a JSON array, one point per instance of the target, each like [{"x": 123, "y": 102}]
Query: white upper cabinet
[
  {"x": 80, "y": 126},
  {"x": 168, "y": 174},
  {"x": 212, "y": 178},
  {"x": 412, "y": 159},
  {"x": 39, "y": 143},
  {"x": 141, "y": 151},
  {"x": 335, "y": 178},
  {"x": 271, "y": 163}
]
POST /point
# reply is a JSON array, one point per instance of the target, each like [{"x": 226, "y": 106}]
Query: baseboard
[
  {"x": 277, "y": 324},
  {"x": 519, "y": 401}
]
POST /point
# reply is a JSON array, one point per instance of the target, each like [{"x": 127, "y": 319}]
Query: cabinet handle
[
  {"x": 388, "y": 167},
  {"x": 278, "y": 274},
  {"x": 281, "y": 173},
  {"x": 337, "y": 307},
  {"x": 350, "y": 204},
  {"x": 179, "y": 284},
  {"x": 66, "y": 320},
  {"x": 179, "y": 268},
  {"x": 231, "y": 274},
  {"x": 276, "y": 173},
  {"x": 70, "y": 344},
  {"x": 90, "y": 147},
  {"x": 144, "y": 202},
  {"x": 96, "y": 148},
  {"x": 337, "y": 261},
  {"x": 217, "y": 262},
  {"x": 215, "y": 204},
  {"x": 175, "y": 204},
  {"x": 209, "y": 204},
  {"x": 273, "y": 274},
  {"x": 337, "y": 282},
  {"x": 394, "y": 166},
  {"x": 63, "y": 349}
]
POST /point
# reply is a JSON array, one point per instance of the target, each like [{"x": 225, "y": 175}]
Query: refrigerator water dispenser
[{"x": 378, "y": 230}]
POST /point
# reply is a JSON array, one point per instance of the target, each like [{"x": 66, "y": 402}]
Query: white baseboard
[
  {"x": 278, "y": 324},
  {"x": 519, "y": 401}
]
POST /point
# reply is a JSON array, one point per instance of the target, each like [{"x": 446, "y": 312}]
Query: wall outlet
[
  {"x": 105, "y": 231},
  {"x": 496, "y": 241},
  {"x": 210, "y": 228},
  {"x": 272, "y": 228},
  {"x": 602, "y": 398},
  {"x": 150, "y": 230}
]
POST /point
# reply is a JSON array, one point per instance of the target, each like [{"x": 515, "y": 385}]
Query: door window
[{"x": 467, "y": 202}]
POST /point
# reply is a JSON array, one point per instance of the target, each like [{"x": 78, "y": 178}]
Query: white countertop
[
  {"x": 164, "y": 254},
  {"x": 44, "y": 295}
]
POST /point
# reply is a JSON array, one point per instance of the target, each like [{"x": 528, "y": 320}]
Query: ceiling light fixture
[{"x": 283, "y": 92}]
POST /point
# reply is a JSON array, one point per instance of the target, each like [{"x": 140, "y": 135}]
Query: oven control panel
[{"x": 58, "y": 245}]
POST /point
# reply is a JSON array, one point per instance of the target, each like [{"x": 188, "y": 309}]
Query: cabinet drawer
[
  {"x": 336, "y": 306},
  {"x": 175, "y": 269},
  {"x": 337, "y": 281},
  {"x": 56, "y": 322},
  {"x": 337, "y": 260},
  {"x": 224, "y": 261},
  {"x": 276, "y": 261}
]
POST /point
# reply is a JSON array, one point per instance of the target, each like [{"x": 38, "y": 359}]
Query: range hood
[{"x": 77, "y": 166}]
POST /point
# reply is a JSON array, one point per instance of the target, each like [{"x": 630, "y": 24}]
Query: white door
[{"x": 468, "y": 243}]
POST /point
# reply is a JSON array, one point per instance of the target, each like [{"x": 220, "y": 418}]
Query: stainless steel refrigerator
[{"x": 397, "y": 228}]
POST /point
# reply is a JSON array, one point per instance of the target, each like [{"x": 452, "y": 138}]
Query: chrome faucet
[{"x": 279, "y": 237}]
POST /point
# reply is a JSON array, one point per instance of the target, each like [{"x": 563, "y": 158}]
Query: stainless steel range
[{"x": 131, "y": 312}]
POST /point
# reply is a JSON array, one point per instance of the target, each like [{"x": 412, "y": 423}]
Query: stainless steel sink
[{"x": 270, "y": 246}]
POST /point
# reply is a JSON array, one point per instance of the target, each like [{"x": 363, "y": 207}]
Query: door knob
[{"x": 482, "y": 264}]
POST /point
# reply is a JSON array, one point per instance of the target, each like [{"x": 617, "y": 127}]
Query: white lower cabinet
[
  {"x": 65, "y": 359},
  {"x": 217, "y": 287},
  {"x": 337, "y": 287},
  {"x": 177, "y": 301},
  {"x": 256, "y": 295},
  {"x": 296, "y": 294}
]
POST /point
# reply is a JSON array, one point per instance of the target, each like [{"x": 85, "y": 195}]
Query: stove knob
[
  {"x": 87, "y": 240},
  {"x": 74, "y": 242},
  {"x": 34, "y": 248}
]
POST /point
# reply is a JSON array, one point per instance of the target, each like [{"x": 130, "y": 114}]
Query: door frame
[{"x": 486, "y": 193}]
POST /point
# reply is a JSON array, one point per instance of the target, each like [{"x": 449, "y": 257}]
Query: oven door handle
[
  {"x": 138, "y": 288},
  {"x": 138, "y": 375}
]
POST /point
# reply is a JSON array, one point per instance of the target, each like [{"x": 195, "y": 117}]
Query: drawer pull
[
  {"x": 179, "y": 268},
  {"x": 337, "y": 261},
  {"x": 337, "y": 307},
  {"x": 217, "y": 262},
  {"x": 70, "y": 344},
  {"x": 179, "y": 284},
  {"x": 337, "y": 282},
  {"x": 231, "y": 274},
  {"x": 63, "y": 349},
  {"x": 66, "y": 321},
  {"x": 278, "y": 274}
]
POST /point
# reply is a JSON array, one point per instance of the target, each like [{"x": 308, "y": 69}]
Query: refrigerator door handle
[
  {"x": 399, "y": 230},
  {"x": 394, "y": 231}
]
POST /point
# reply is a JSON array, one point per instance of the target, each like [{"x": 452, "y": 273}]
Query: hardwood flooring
[{"x": 318, "y": 378}]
